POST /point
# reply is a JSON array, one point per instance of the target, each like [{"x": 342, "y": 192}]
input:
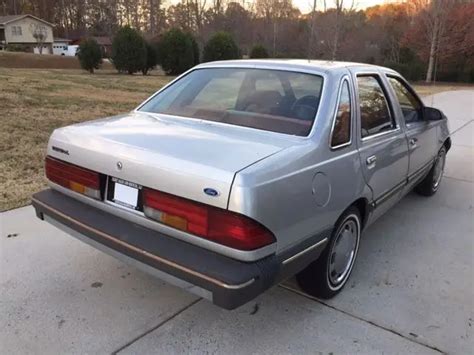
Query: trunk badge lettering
[
  {"x": 60, "y": 150},
  {"x": 211, "y": 192}
]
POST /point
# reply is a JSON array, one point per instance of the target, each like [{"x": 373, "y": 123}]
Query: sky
[{"x": 306, "y": 5}]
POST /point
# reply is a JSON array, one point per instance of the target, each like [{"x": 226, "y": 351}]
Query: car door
[
  {"x": 421, "y": 134},
  {"x": 383, "y": 148}
]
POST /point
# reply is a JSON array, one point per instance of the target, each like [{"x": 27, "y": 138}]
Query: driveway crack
[
  {"x": 171, "y": 317},
  {"x": 301, "y": 293},
  {"x": 464, "y": 125}
]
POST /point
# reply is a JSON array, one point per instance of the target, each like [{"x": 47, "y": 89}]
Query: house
[
  {"x": 104, "y": 42},
  {"x": 28, "y": 32},
  {"x": 60, "y": 46}
]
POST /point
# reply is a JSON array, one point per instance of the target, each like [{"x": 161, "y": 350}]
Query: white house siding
[{"x": 27, "y": 25}]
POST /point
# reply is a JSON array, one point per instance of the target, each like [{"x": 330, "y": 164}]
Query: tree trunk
[
  {"x": 429, "y": 73},
  {"x": 311, "y": 31},
  {"x": 274, "y": 37},
  {"x": 152, "y": 17},
  {"x": 433, "y": 46},
  {"x": 336, "y": 40},
  {"x": 339, "y": 5}
]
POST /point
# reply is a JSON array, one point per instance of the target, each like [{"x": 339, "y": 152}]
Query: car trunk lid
[{"x": 182, "y": 157}]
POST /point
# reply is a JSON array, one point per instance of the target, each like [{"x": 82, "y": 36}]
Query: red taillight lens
[
  {"x": 73, "y": 177},
  {"x": 215, "y": 224}
]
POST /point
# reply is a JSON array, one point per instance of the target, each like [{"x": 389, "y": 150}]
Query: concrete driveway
[{"x": 411, "y": 290}]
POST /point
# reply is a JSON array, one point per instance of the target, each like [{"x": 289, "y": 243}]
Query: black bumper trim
[
  {"x": 231, "y": 282},
  {"x": 72, "y": 221}
]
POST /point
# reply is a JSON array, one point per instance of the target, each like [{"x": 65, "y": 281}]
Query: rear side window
[
  {"x": 374, "y": 111},
  {"x": 410, "y": 105},
  {"x": 341, "y": 133},
  {"x": 270, "y": 100}
]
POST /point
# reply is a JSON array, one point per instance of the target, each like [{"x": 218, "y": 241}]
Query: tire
[
  {"x": 322, "y": 278},
  {"x": 430, "y": 184}
]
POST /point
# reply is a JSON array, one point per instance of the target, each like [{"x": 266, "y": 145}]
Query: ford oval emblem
[{"x": 211, "y": 192}]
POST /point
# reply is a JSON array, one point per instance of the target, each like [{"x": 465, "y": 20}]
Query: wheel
[
  {"x": 430, "y": 184},
  {"x": 325, "y": 277}
]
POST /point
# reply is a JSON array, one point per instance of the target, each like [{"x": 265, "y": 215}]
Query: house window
[{"x": 16, "y": 31}]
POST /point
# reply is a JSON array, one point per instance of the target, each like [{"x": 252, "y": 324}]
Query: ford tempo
[{"x": 240, "y": 174}]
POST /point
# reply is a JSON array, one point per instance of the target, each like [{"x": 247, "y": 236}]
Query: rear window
[{"x": 270, "y": 100}]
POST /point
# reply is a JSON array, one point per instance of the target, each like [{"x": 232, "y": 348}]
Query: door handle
[
  {"x": 371, "y": 161},
  {"x": 413, "y": 142}
]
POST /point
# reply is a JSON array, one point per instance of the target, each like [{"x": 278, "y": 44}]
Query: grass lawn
[
  {"x": 33, "y": 102},
  {"x": 429, "y": 89}
]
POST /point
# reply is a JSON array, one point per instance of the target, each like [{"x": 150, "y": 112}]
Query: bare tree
[
  {"x": 273, "y": 11},
  {"x": 40, "y": 34},
  {"x": 152, "y": 15},
  {"x": 339, "y": 8},
  {"x": 311, "y": 30},
  {"x": 434, "y": 21},
  {"x": 430, "y": 18},
  {"x": 198, "y": 7}
]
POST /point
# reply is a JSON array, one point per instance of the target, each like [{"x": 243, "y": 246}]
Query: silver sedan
[{"x": 240, "y": 174}]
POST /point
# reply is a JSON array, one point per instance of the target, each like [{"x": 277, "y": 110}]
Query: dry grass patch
[
  {"x": 36, "y": 101},
  {"x": 430, "y": 89},
  {"x": 31, "y": 60}
]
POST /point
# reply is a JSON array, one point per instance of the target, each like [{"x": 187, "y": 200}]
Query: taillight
[
  {"x": 73, "y": 177},
  {"x": 215, "y": 224}
]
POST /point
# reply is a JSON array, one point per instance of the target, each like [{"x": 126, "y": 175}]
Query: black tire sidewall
[{"x": 314, "y": 278}]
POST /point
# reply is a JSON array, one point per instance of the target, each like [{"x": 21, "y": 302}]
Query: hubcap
[
  {"x": 343, "y": 252},
  {"x": 438, "y": 169}
]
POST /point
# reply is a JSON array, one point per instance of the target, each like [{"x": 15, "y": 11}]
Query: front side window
[
  {"x": 374, "y": 111},
  {"x": 270, "y": 100},
  {"x": 341, "y": 133},
  {"x": 410, "y": 105}
]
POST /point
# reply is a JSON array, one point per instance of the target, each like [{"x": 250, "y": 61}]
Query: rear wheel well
[{"x": 363, "y": 206}]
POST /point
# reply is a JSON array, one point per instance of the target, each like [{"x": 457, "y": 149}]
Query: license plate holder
[{"x": 125, "y": 193}]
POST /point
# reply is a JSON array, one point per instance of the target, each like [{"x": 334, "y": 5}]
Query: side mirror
[{"x": 432, "y": 114}]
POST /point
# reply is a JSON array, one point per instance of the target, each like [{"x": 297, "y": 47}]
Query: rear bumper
[{"x": 227, "y": 282}]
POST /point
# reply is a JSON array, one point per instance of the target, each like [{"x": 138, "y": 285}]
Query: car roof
[{"x": 308, "y": 64}]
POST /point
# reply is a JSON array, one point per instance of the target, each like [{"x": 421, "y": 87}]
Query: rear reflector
[
  {"x": 218, "y": 225},
  {"x": 73, "y": 177}
]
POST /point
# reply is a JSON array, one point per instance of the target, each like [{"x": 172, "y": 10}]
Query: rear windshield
[{"x": 270, "y": 100}]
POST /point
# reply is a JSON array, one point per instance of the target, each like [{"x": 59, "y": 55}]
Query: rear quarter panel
[{"x": 302, "y": 190}]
